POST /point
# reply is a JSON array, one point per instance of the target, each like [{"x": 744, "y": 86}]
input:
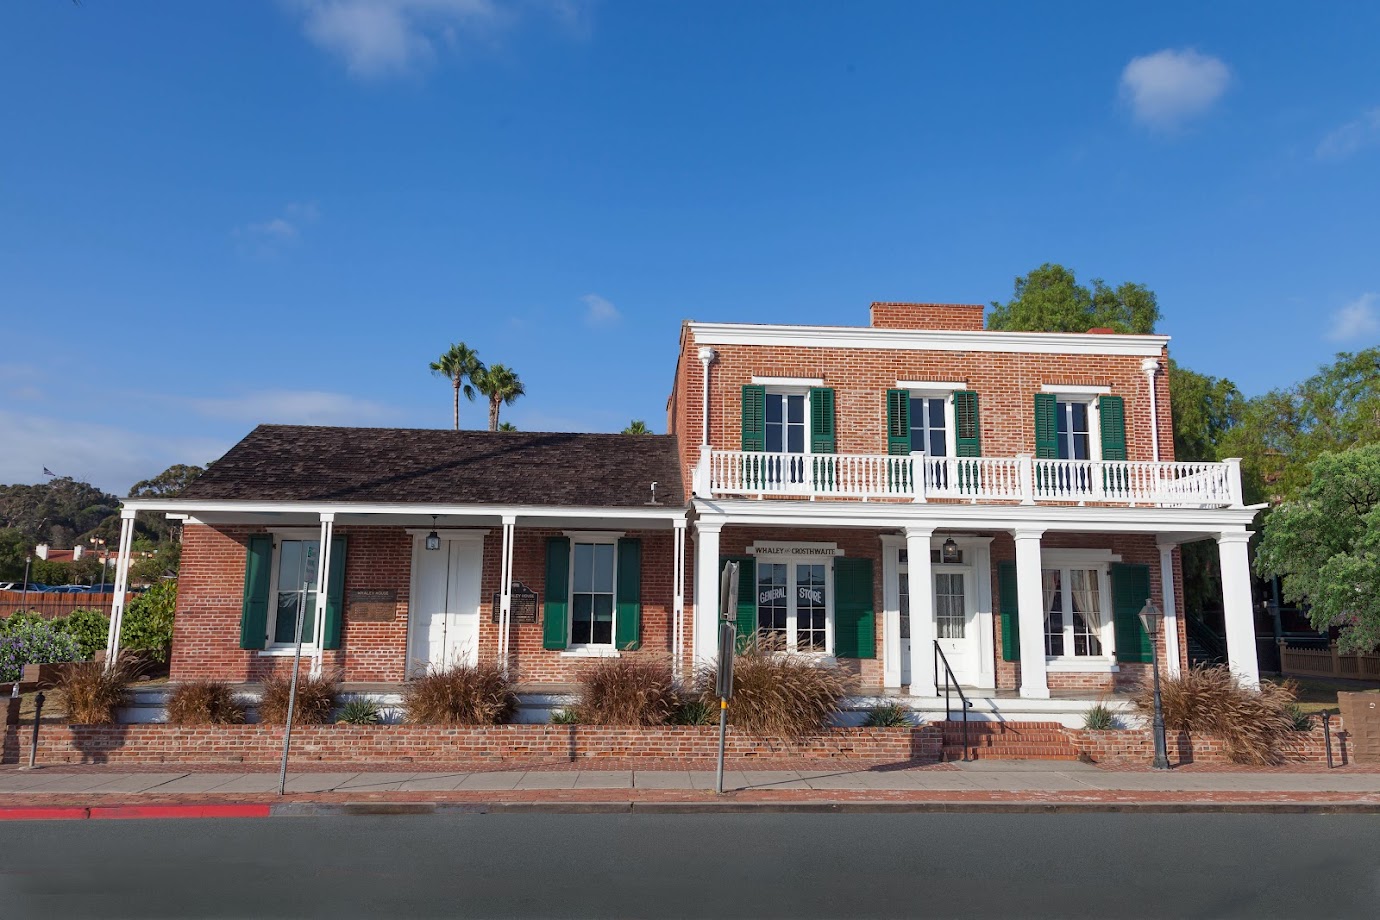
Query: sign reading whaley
[
  {"x": 524, "y": 609},
  {"x": 794, "y": 549},
  {"x": 371, "y": 605}
]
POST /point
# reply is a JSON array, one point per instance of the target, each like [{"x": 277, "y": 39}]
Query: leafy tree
[
  {"x": 1205, "y": 409},
  {"x": 501, "y": 385},
  {"x": 1326, "y": 545},
  {"x": 1050, "y": 299},
  {"x": 148, "y": 621},
  {"x": 14, "y": 546},
  {"x": 55, "y": 512},
  {"x": 637, "y": 426},
  {"x": 507, "y": 426},
  {"x": 460, "y": 365}
]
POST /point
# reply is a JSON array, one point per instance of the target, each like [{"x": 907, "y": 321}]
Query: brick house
[{"x": 1027, "y": 480}]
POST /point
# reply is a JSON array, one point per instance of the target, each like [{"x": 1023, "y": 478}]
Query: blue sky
[{"x": 219, "y": 213}]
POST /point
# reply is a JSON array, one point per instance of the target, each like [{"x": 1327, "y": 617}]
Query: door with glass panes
[{"x": 955, "y": 620}]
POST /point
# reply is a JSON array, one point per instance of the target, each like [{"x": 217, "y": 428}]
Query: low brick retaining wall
[
  {"x": 412, "y": 743},
  {"x": 1138, "y": 746}
]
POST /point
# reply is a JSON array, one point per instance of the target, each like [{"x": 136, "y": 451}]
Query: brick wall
[
  {"x": 956, "y": 316},
  {"x": 1138, "y": 746}
]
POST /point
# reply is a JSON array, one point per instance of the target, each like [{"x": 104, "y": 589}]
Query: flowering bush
[{"x": 34, "y": 643}]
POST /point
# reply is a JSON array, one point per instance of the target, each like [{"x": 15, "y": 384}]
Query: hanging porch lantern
[{"x": 433, "y": 539}]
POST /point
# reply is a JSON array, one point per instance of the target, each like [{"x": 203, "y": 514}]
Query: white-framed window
[
  {"x": 1073, "y": 418},
  {"x": 787, "y": 420},
  {"x": 1078, "y": 616},
  {"x": 795, "y": 604},
  {"x": 931, "y": 423},
  {"x": 295, "y": 563},
  {"x": 593, "y": 574}
]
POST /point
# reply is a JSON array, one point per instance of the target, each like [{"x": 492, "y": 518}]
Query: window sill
[
  {"x": 1098, "y": 665},
  {"x": 592, "y": 652},
  {"x": 307, "y": 651}
]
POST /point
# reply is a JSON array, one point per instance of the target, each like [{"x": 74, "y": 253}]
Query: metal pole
[
  {"x": 1161, "y": 750},
  {"x": 292, "y": 694},
  {"x": 723, "y": 735},
  {"x": 1327, "y": 734},
  {"x": 38, "y": 715},
  {"x": 27, "y": 561}
]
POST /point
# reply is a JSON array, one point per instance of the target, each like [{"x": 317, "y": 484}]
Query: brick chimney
[{"x": 960, "y": 317}]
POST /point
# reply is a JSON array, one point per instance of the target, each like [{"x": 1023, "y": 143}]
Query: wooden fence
[
  {"x": 1302, "y": 661},
  {"x": 50, "y": 605}
]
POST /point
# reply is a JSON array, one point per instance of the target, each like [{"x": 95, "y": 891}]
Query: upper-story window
[
  {"x": 786, "y": 423},
  {"x": 929, "y": 425},
  {"x": 1079, "y": 423},
  {"x": 1075, "y": 434},
  {"x": 936, "y": 419}
]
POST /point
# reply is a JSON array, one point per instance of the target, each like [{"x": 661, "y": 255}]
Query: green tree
[
  {"x": 637, "y": 426},
  {"x": 460, "y": 365},
  {"x": 1205, "y": 409},
  {"x": 507, "y": 426},
  {"x": 148, "y": 621},
  {"x": 501, "y": 385},
  {"x": 1325, "y": 543},
  {"x": 1050, "y": 299},
  {"x": 166, "y": 484}
]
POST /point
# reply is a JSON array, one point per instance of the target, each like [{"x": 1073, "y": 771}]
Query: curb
[{"x": 123, "y": 812}]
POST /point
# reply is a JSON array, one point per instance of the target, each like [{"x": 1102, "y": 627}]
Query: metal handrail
[
  {"x": 949, "y": 678},
  {"x": 1205, "y": 636}
]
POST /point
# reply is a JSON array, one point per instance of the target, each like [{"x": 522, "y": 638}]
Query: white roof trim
[
  {"x": 932, "y": 385},
  {"x": 204, "y": 506},
  {"x": 1075, "y": 389},
  {"x": 789, "y": 381},
  {"x": 1041, "y": 343}
]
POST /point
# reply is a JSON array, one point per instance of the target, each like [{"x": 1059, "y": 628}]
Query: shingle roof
[{"x": 307, "y": 463}]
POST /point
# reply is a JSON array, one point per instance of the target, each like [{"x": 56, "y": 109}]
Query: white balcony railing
[{"x": 973, "y": 479}]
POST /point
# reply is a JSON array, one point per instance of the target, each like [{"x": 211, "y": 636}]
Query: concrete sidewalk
[{"x": 1009, "y": 777}]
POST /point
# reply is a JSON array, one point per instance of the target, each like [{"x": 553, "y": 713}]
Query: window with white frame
[
  {"x": 929, "y": 424},
  {"x": 787, "y": 421},
  {"x": 793, "y": 605},
  {"x": 1073, "y": 420},
  {"x": 294, "y": 585},
  {"x": 1076, "y": 617},
  {"x": 592, "y": 578}
]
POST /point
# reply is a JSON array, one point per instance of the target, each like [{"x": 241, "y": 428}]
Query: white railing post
[
  {"x": 1234, "y": 481},
  {"x": 917, "y": 475},
  {"x": 1027, "y": 476},
  {"x": 701, "y": 483}
]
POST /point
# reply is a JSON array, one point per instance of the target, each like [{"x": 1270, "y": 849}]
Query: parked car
[
  {"x": 68, "y": 589},
  {"x": 10, "y": 586}
]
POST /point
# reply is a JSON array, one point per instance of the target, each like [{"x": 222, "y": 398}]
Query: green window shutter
[
  {"x": 968, "y": 440},
  {"x": 627, "y": 598},
  {"x": 1130, "y": 588},
  {"x": 555, "y": 612},
  {"x": 1046, "y": 426},
  {"x": 745, "y": 614},
  {"x": 1009, "y": 595},
  {"x": 258, "y": 568},
  {"x": 898, "y": 422},
  {"x": 754, "y": 417},
  {"x": 335, "y": 593},
  {"x": 822, "y": 440},
  {"x": 1111, "y": 412},
  {"x": 855, "y": 629}
]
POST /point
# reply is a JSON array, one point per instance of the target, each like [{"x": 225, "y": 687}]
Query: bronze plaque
[
  {"x": 524, "y": 609},
  {"x": 372, "y": 605}
]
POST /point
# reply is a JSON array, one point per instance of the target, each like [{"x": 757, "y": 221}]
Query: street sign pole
[
  {"x": 728, "y": 637},
  {"x": 292, "y": 692}
]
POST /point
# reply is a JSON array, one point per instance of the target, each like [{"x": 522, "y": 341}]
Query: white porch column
[
  {"x": 678, "y": 599},
  {"x": 121, "y": 586},
  {"x": 1030, "y": 602},
  {"x": 921, "y": 583},
  {"x": 1171, "y": 609},
  {"x": 706, "y": 590},
  {"x": 1233, "y": 550},
  {"x": 505, "y": 595},
  {"x": 323, "y": 580}
]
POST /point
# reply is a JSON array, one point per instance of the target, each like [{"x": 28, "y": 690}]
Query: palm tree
[
  {"x": 637, "y": 426},
  {"x": 460, "y": 365},
  {"x": 507, "y": 426},
  {"x": 501, "y": 384}
]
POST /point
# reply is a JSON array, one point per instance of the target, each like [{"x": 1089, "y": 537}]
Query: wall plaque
[
  {"x": 372, "y": 605},
  {"x": 524, "y": 609}
]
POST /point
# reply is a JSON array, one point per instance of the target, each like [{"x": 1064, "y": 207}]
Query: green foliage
[
  {"x": 569, "y": 716},
  {"x": 1302, "y": 721},
  {"x": 637, "y": 426},
  {"x": 695, "y": 711},
  {"x": 166, "y": 484},
  {"x": 20, "y": 619},
  {"x": 507, "y": 426},
  {"x": 502, "y": 387},
  {"x": 1099, "y": 718},
  {"x": 30, "y": 642},
  {"x": 163, "y": 562},
  {"x": 358, "y": 711},
  {"x": 148, "y": 621},
  {"x": 1205, "y": 409},
  {"x": 889, "y": 715},
  {"x": 90, "y": 628},
  {"x": 460, "y": 365},
  {"x": 1326, "y": 545},
  {"x": 1050, "y": 299}
]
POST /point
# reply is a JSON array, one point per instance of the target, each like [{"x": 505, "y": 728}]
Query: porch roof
[{"x": 294, "y": 463}]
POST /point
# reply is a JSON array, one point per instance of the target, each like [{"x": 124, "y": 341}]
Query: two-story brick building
[{"x": 1026, "y": 480}]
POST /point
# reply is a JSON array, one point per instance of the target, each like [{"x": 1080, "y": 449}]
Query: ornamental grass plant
[
  {"x": 1209, "y": 700},
  {"x": 889, "y": 715},
  {"x": 464, "y": 694},
  {"x": 92, "y": 693},
  {"x": 204, "y": 702},
  {"x": 776, "y": 693},
  {"x": 315, "y": 700},
  {"x": 627, "y": 691}
]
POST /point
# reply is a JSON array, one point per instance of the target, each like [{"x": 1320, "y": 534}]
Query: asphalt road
[{"x": 916, "y": 865}]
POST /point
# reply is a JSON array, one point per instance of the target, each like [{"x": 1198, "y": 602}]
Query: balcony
[{"x": 918, "y": 478}]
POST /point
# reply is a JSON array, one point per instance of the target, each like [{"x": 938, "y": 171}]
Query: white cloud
[
  {"x": 1356, "y": 321},
  {"x": 1169, "y": 87},
  {"x": 294, "y": 407},
  {"x": 599, "y": 311},
  {"x": 270, "y": 236},
  {"x": 1351, "y": 137}
]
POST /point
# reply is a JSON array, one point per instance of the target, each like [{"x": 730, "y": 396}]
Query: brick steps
[{"x": 1007, "y": 741}]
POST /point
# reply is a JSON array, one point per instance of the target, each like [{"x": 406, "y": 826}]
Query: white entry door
[
  {"x": 443, "y": 615},
  {"x": 955, "y": 623}
]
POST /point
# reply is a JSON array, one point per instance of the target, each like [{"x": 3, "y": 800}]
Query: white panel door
[
  {"x": 955, "y": 623},
  {"x": 443, "y": 627}
]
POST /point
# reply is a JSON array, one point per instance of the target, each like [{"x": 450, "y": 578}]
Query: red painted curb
[
  {"x": 180, "y": 811},
  {"x": 42, "y": 814}
]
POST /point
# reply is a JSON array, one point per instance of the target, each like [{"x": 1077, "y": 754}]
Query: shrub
[
  {"x": 18, "y": 619},
  {"x": 92, "y": 693},
  {"x": 148, "y": 621},
  {"x": 889, "y": 715},
  {"x": 34, "y": 642},
  {"x": 626, "y": 691},
  {"x": 315, "y": 700},
  {"x": 1302, "y": 721},
  {"x": 464, "y": 694},
  {"x": 204, "y": 702},
  {"x": 359, "y": 711},
  {"x": 1209, "y": 700},
  {"x": 1099, "y": 718},
  {"x": 90, "y": 628},
  {"x": 777, "y": 694},
  {"x": 695, "y": 711},
  {"x": 565, "y": 717}
]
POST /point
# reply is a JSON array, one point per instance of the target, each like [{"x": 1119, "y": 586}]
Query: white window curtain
[
  {"x": 1051, "y": 585},
  {"x": 1085, "y": 599}
]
